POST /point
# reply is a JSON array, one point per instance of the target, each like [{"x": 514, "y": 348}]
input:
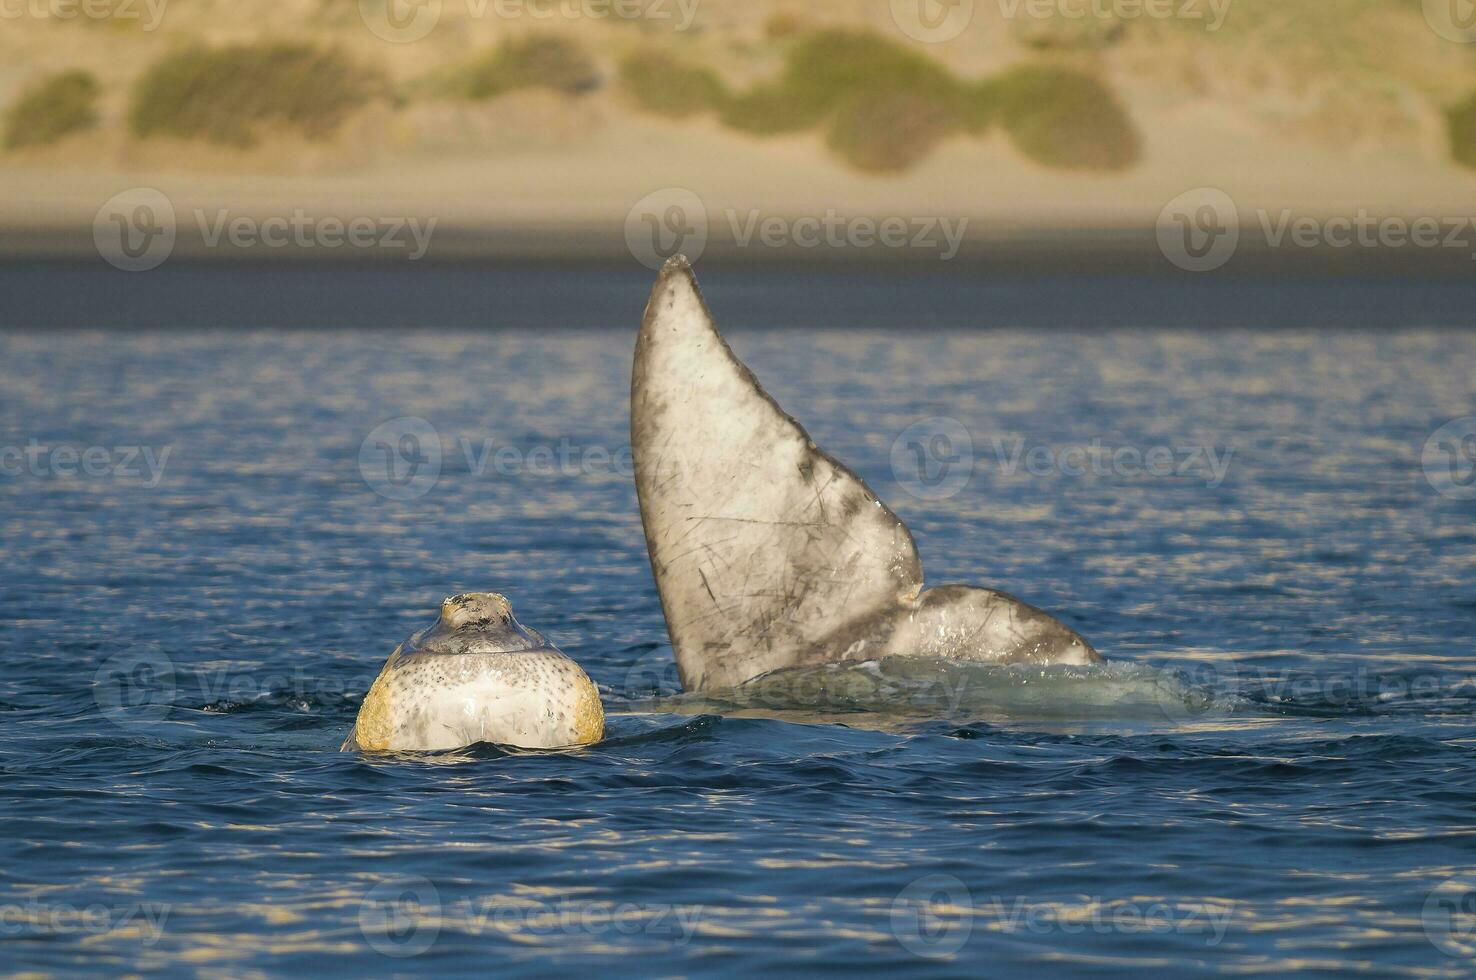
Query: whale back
[{"x": 765, "y": 549}]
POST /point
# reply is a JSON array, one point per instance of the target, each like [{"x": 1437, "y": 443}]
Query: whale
[
  {"x": 477, "y": 675},
  {"x": 767, "y": 552}
]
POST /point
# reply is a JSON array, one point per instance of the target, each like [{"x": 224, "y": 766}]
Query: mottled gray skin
[
  {"x": 477, "y": 675},
  {"x": 769, "y": 553}
]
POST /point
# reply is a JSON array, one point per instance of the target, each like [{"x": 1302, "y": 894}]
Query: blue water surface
[{"x": 1275, "y": 774}]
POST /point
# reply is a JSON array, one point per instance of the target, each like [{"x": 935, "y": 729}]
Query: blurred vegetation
[
  {"x": 768, "y": 110},
  {"x": 828, "y": 69},
  {"x": 1063, "y": 118},
  {"x": 1461, "y": 121},
  {"x": 888, "y": 132},
  {"x": 54, "y": 107},
  {"x": 885, "y": 107},
  {"x": 223, "y": 94},
  {"x": 881, "y": 105},
  {"x": 551, "y": 62},
  {"x": 661, "y": 84}
]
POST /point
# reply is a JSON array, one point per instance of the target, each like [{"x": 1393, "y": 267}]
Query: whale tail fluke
[
  {"x": 768, "y": 552},
  {"x": 760, "y": 542}
]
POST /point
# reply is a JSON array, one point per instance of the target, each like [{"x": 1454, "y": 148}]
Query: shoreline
[
  {"x": 1047, "y": 252},
  {"x": 1043, "y": 292}
]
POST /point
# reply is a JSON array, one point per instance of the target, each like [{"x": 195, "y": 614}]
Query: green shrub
[
  {"x": 830, "y": 66},
  {"x": 1460, "y": 120},
  {"x": 533, "y": 62},
  {"x": 663, "y": 85},
  {"x": 885, "y": 107},
  {"x": 225, "y": 94},
  {"x": 767, "y": 110},
  {"x": 52, "y": 108},
  {"x": 979, "y": 107},
  {"x": 831, "y": 69},
  {"x": 1061, "y": 118},
  {"x": 888, "y": 132}
]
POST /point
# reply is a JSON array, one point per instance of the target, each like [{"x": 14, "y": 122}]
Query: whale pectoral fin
[{"x": 762, "y": 545}]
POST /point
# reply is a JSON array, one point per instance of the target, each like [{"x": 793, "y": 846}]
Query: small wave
[
  {"x": 1361, "y": 693},
  {"x": 903, "y": 690}
]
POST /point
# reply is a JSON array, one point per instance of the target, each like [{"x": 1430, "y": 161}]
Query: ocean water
[{"x": 213, "y": 539}]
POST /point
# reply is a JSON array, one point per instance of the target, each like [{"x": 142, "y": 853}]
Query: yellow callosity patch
[
  {"x": 589, "y": 717},
  {"x": 375, "y": 724}
]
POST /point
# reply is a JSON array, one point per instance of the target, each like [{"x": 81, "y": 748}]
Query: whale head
[
  {"x": 474, "y": 623},
  {"x": 476, "y": 608}
]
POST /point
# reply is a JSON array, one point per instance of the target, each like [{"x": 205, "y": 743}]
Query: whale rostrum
[{"x": 769, "y": 553}]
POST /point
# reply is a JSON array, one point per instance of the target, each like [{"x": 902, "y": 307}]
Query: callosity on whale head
[
  {"x": 477, "y": 675},
  {"x": 768, "y": 552}
]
